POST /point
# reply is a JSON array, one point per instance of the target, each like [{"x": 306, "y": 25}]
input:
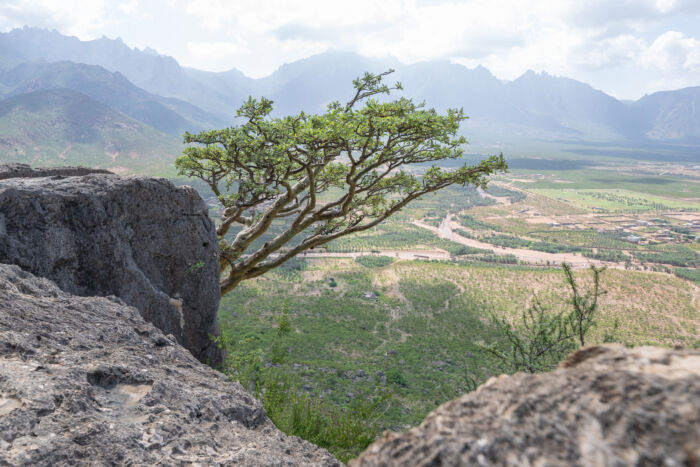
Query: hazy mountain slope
[
  {"x": 671, "y": 115},
  {"x": 148, "y": 70},
  {"x": 233, "y": 84},
  {"x": 446, "y": 85},
  {"x": 312, "y": 83},
  {"x": 113, "y": 89},
  {"x": 535, "y": 107},
  {"x": 556, "y": 102},
  {"x": 61, "y": 126}
]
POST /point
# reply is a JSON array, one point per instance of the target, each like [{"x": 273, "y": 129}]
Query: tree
[
  {"x": 326, "y": 175},
  {"x": 583, "y": 307},
  {"x": 538, "y": 343},
  {"x": 544, "y": 337}
]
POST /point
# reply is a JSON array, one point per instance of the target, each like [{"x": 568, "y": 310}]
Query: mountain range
[{"x": 161, "y": 96}]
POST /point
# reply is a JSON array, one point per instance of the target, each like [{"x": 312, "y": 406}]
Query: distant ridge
[
  {"x": 534, "y": 110},
  {"x": 165, "y": 114}
]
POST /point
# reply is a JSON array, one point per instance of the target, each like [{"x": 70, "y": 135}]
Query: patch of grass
[{"x": 374, "y": 261}]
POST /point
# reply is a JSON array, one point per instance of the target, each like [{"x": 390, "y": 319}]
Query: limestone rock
[
  {"x": 606, "y": 405},
  {"x": 142, "y": 239},
  {"x": 86, "y": 381}
]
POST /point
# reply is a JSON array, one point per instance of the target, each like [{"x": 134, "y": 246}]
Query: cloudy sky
[{"x": 624, "y": 47}]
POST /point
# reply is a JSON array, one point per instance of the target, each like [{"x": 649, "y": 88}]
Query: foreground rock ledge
[
  {"x": 606, "y": 405},
  {"x": 85, "y": 380},
  {"x": 142, "y": 239}
]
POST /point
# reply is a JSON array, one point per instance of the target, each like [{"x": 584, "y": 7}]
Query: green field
[
  {"x": 590, "y": 179},
  {"x": 415, "y": 327},
  {"x": 618, "y": 200}
]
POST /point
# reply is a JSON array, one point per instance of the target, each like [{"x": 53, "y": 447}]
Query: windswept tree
[{"x": 326, "y": 175}]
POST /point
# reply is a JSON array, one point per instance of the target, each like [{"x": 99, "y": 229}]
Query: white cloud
[
  {"x": 672, "y": 51},
  {"x": 82, "y": 18},
  {"x": 129, "y": 7}
]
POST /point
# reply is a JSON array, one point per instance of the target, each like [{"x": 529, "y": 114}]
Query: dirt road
[
  {"x": 444, "y": 230},
  {"x": 401, "y": 254}
]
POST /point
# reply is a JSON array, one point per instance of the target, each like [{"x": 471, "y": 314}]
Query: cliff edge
[
  {"x": 86, "y": 381},
  {"x": 141, "y": 239}
]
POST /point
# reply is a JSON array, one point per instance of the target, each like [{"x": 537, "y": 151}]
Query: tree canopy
[{"x": 326, "y": 175}]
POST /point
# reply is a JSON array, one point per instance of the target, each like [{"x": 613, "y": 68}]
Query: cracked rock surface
[
  {"x": 85, "y": 380},
  {"x": 605, "y": 405},
  {"x": 142, "y": 239}
]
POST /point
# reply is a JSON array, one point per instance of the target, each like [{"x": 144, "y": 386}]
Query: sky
[{"x": 626, "y": 48}]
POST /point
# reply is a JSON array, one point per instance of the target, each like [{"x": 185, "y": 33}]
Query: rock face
[
  {"x": 85, "y": 380},
  {"x": 606, "y": 405},
  {"x": 14, "y": 170},
  {"x": 95, "y": 233}
]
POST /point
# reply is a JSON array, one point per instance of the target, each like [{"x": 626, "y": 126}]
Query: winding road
[{"x": 444, "y": 230}]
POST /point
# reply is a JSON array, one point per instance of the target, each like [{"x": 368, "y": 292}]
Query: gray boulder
[
  {"x": 142, "y": 239},
  {"x": 86, "y": 381},
  {"x": 606, "y": 405}
]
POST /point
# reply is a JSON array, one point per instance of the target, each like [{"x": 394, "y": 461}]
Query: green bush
[
  {"x": 692, "y": 274},
  {"x": 344, "y": 432},
  {"x": 374, "y": 261},
  {"x": 397, "y": 378},
  {"x": 543, "y": 337}
]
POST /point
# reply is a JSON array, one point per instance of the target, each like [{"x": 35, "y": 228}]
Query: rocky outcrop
[
  {"x": 86, "y": 381},
  {"x": 606, "y": 405},
  {"x": 141, "y": 239},
  {"x": 14, "y": 170}
]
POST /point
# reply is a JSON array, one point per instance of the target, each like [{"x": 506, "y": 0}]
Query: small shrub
[{"x": 397, "y": 378}]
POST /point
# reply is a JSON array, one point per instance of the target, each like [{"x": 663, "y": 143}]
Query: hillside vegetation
[
  {"x": 417, "y": 327},
  {"x": 60, "y": 126}
]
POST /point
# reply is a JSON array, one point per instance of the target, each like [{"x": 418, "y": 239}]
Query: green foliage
[
  {"x": 397, "y": 378},
  {"x": 607, "y": 255},
  {"x": 268, "y": 169},
  {"x": 512, "y": 195},
  {"x": 692, "y": 274},
  {"x": 374, "y": 261},
  {"x": 536, "y": 344},
  {"x": 396, "y": 236},
  {"x": 543, "y": 337},
  {"x": 469, "y": 222},
  {"x": 583, "y": 306},
  {"x": 679, "y": 256},
  {"x": 511, "y": 241},
  {"x": 277, "y": 351},
  {"x": 196, "y": 266},
  {"x": 345, "y": 432}
]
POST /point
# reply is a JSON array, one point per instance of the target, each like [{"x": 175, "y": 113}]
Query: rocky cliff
[
  {"x": 86, "y": 381},
  {"x": 606, "y": 405},
  {"x": 96, "y": 234}
]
